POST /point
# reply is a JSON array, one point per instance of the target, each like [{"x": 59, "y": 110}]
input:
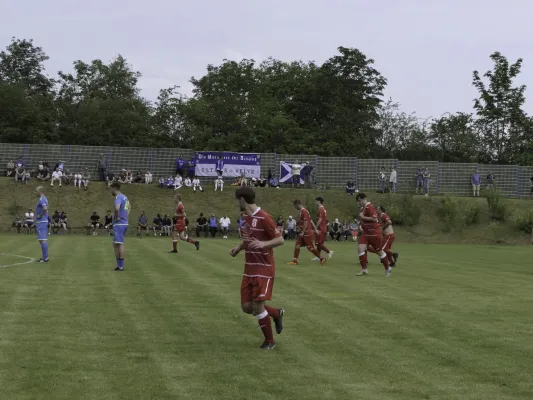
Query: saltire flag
[{"x": 285, "y": 172}]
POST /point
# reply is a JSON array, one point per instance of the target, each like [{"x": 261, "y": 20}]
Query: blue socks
[
  {"x": 120, "y": 263},
  {"x": 44, "y": 248}
]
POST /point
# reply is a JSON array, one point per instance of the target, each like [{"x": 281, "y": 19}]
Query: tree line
[{"x": 331, "y": 109}]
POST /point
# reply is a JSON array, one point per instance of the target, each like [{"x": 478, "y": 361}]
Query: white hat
[{"x": 290, "y": 216}]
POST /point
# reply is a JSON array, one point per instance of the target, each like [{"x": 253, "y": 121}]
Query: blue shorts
[
  {"x": 41, "y": 228},
  {"x": 119, "y": 233}
]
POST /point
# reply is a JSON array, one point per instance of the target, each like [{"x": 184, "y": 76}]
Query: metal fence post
[
  {"x": 397, "y": 183},
  {"x": 151, "y": 162},
  {"x": 316, "y": 170},
  {"x": 518, "y": 182},
  {"x": 357, "y": 174},
  {"x": 275, "y": 165},
  {"x": 438, "y": 177}
]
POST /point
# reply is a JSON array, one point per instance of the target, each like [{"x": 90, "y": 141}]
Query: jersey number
[
  {"x": 254, "y": 223},
  {"x": 127, "y": 206}
]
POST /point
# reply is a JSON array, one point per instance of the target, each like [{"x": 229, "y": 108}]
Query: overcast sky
[{"x": 427, "y": 49}]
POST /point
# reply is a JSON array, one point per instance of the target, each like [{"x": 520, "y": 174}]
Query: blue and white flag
[
  {"x": 285, "y": 172},
  {"x": 235, "y": 164}
]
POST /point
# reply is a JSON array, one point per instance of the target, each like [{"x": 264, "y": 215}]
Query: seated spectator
[
  {"x": 262, "y": 182},
  {"x": 350, "y": 188},
  {"x": 170, "y": 182},
  {"x": 29, "y": 220},
  {"x": 236, "y": 182},
  {"x": 142, "y": 224},
  {"x": 157, "y": 224},
  {"x": 291, "y": 227},
  {"x": 167, "y": 225},
  {"x": 178, "y": 182},
  {"x": 67, "y": 177},
  {"x": 122, "y": 177},
  {"x": 148, "y": 178},
  {"x": 244, "y": 180},
  {"x": 10, "y": 168},
  {"x": 346, "y": 230},
  {"x": 274, "y": 182},
  {"x": 110, "y": 178},
  {"x": 56, "y": 222},
  {"x": 18, "y": 223},
  {"x": 129, "y": 176},
  {"x": 64, "y": 221},
  {"x": 240, "y": 221},
  {"x": 43, "y": 174},
  {"x": 77, "y": 180},
  {"x": 108, "y": 222},
  {"x": 224, "y": 226},
  {"x": 138, "y": 177},
  {"x": 354, "y": 229},
  {"x": 94, "y": 223},
  {"x": 56, "y": 177},
  {"x": 280, "y": 224},
  {"x": 201, "y": 225},
  {"x": 20, "y": 174},
  {"x": 213, "y": 225},
  {"x": 85, "y": 176},
  {"x": 196, "y": 185},
  {"x": 335, "y": 230},
  {"x": 187, "y": 182},
  {"x": 162, "y": 182},
  {"x": 219, "y": 184}
]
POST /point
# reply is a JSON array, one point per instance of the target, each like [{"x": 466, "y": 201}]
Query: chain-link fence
[{"x": 334, "y": 172}]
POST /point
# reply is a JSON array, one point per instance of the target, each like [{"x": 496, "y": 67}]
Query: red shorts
[
  {"x": 320, "y": 238},
  {"x": 387, "y": 242},
  {"x": 374, "y": 241},
  {"x": 305, "y": 241},
  {"x": 256, "y": 288},
  {"x": 355, "y": 234},
  {"x": 180, "y": 228}
]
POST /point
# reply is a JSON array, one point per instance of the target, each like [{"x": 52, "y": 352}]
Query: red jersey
[
  {"x": 370, "y": 228},
  {"x": 305, "y": 217},
  {"x": 180, "y": 221},
  {"x": 259, "y": 262},
  {"x": 321, "y": 215},
  {"x": 384, "y": 219}
]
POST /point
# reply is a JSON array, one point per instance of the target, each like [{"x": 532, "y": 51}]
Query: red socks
[
  {"x": 363, "y": 260},
  {"x": 385, "y": 262},
  {"x": 315, "y": 252},
  {"x": 175, "y": 245},
  {"x": 324, "y": 248},
  {"x": 273, "y": 312},
  {"x": 389, "y": 256},
  {"x": 266, "y": 326},
  {"x": 296, "y": 253},
  {"x": 189, "y": 240}
]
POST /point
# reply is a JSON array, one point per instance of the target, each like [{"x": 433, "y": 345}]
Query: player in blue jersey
[
  {"x": 120, "y": 223},
  {"x": 41, "y": 223}
]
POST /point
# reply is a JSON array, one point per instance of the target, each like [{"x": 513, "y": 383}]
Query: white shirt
[
  {"x": 178, "y": 180},
  {"x": 219, "y": 180},
  {"x": 29, "y": 216},
  {"x": 196, "y": 182},
  {"x": 296, "y": 168},
  {"x": 57, "y": 174},
  {"x": 393, "y": 176},
  {"x": 188, "y": 182},
  {"x": 77, "y": 176},
  {"x": 224, "y": 222}
]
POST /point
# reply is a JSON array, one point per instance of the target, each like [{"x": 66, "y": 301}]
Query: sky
[{"x": 427, "y": 50}]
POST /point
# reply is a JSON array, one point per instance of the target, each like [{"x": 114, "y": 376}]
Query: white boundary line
[{"x": 30, "y": 260}]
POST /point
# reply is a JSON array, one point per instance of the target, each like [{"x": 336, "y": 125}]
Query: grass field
[{"x": 453, "y": 322}]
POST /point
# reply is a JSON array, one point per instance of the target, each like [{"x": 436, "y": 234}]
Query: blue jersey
[
  {"x": 40, "y": 211},
  {"x": 124, "y": 209},
  {"x": 220, "y": 165}
]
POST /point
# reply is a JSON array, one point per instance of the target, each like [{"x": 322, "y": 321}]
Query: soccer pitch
[{"x": 452, "y": 322}]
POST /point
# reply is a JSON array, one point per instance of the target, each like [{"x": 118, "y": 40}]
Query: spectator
[
  {"x": 426, "y": 177},
  {"x": 476, "y": 183},
  {"x": 56, "y": 222},
  {"x": 56, "y": 176},
  {"x": 239, "y": 226},
  {"x": 60, "y": 166},
  {"x": 85, "y": 176},
  {"x": 29, "y": 220},
  {"x": 280, "y": 225},
  {"x": 196, "y": 185},
  {"x": 167, "y": 225},
  {"x": 350, "y": 188},
  {"x": 108, "y": 222},
  {"x": 490, "y": 180},
  {"x": 43, "y": 174},
  {"x": 142, "y": 224},
  {"x": 335, "y": 230},
  {"x": 262, "y": 182},
  {"x": 220, "y": 166},
  {"x": 354, "y": 229},
  {"x": 381, "y": 178},
  {"x": 244, "y": 180},
  {"x": 187, "y": 182},
  {"x": 64, "y": 221},
  {"x": 67, "y": 177},
  {"x": 291, "y": 227},
  {"x": 393, "y": 180},
  {"x": 296, "y": 170},
  {"x": 180, "y": 165},
  {"x": 224, "y": 226},
  {"x": 162, "y": 183},
  {"x": 110, "y": 178},
  {"x": 10, "y": 168},
  {"x": 219, "y": 184},
  {"x": 419, "y": 174},
  {"x": 19, "y": 162},
  {"x": 129, "y": 177},
  {"x": 102, "y": 168},
  {"x": 18, "y": 223},
  {"x": 213, "y": 225},
  {"x": 273, "y": 182},
  {"x": 77, "y": 180},
  {"x": 178, "y": 182},
  {"x": 94, "y": 223},
  {"x": 139, "y": 177},
  {"x": 191, "y": 168},
  {"x": 201, "y": 225},
  {"x": 20, "y": 174},
  {"x": 49, "y": 224},
  {"x": 123, "y": 177},
  {"x": 345, "y": 230},
  {"x": 157, "y": 224},
  {"x": 148, "y": 178}
]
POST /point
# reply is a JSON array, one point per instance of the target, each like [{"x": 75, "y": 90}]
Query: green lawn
[{"x": 452, "y": 322}]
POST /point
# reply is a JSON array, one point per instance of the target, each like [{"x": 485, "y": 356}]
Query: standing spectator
[
  {"x": 426, "y": 176},
  {"x": 239, "y": 226},
  {"x": 296, "y": 170},
  {"x": 180, "y": 165},
  {"x": 381, "y": 178},
  {"x": 167, "y": 225},
  {"x": 94, "y": 223},
  {"x": 201, "y": 225},
  {"x": 219, "y": 183},
  {"x": 490, "y": 180},
  {"x": 350, "y": 187},
  {"x": 224, "y": 226},
  {"x": 393, "y": 180},
  {"x": 291, "y": 227},
  {"x": 191, "y": 168},
  {"x": 10, "y": 168},
  {"x": 196, "y": 185},
  {"x": 85, "y": 176},
  {"x": 142, "y": 224},
  {"x": 419, "y": 175},
  {"x": 148, "y": 178},
  {"x": 220, "y": 166},
  {"x": 108, "y": 222},
  {"x": 476, "y": 183},
  {"x": 157, "y": 224},
  {"x": 30, "y": 220},
  {"x": 56, "y": 176},
  {"x": 213, "y": 225},
  {"x": 280, "y": 224},
  {"x": 102, "y": 167},
  {"x": 335, "y": 230}
]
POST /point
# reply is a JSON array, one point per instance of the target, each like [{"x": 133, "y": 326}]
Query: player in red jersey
[
  {"x": 259, "y": 237},
  {"x": 321, "y": 229},
  {"x": 180, "y": 229},
  {"x": 305, "y": 234},
  {"x": 371, "y": 235},
  {"x": 388, "y": 235}
]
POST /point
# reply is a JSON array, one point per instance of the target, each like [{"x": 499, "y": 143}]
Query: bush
[
  {"x": 471, "y": 214},
  {"x": 523, "y": 221},
  {"x": 497, "y": 204},
  {"x": 456, "y": 216},
  {"x": 404, "y": 212}
]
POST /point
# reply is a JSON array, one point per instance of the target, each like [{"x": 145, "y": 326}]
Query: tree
[
  {"x": 501, "y": 119},
  {"x": 455, "y": 138}
]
